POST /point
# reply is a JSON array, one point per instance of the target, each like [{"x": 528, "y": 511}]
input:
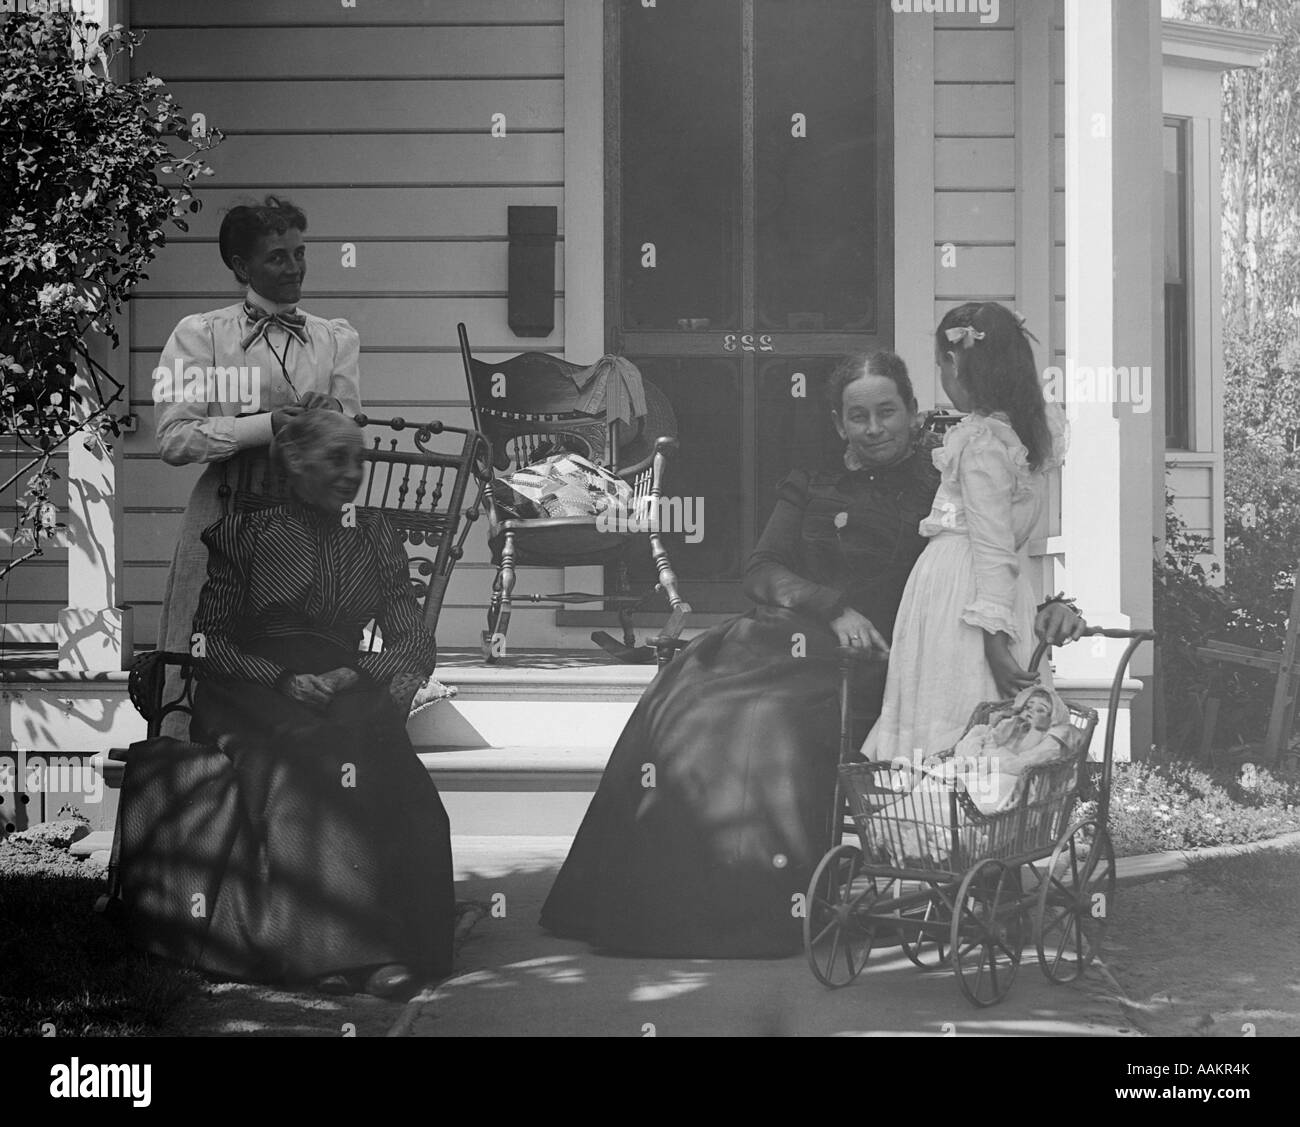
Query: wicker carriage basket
[{"x": 921, "y": 817}]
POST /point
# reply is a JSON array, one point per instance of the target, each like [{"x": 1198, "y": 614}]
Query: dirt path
[{"x": 1213, "y": 952}]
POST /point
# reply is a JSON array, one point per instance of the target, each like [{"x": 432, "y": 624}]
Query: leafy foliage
[
  {"x": 1189, "y": 609},
  {"x": 82, "y": 213},
  {"x": 1156, "y": 807}
]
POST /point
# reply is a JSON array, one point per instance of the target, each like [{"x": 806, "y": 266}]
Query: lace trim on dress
[{"x": 993, "y": 618}]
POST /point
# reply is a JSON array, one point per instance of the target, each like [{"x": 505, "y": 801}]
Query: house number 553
[{"x": 748, "y": 343}]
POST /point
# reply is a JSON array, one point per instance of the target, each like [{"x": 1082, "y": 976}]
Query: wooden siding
[{"x": 376, "y": 121}]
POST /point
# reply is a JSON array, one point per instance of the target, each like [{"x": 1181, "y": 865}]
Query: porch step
[
  {"x": 516, "y": 791},
  {"x": 512, "y": 706}
]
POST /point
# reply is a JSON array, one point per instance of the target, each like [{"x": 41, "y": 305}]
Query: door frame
[{"x": 686, "y": 343}]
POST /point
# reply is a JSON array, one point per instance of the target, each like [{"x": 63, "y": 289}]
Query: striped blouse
[{"x": 296, "y": 570}]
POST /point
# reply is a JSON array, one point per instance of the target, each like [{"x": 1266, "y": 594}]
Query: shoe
[
  {"x": 334, "y": 984},
  {"x": 390, "y": 981}
]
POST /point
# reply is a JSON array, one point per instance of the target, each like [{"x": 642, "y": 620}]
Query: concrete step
[
  {"x": 516, "y": 791},
  {"x": 510, "y": 706}
]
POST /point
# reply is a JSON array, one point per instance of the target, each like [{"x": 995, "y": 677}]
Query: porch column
[
  {"x": 583, "y": 220},
  {"x": 1113, "y": 213},
  {"x": 95, "y": 629}
]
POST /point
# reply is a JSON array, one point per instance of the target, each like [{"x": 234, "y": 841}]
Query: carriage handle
[{"x": 1135, "y": 639}]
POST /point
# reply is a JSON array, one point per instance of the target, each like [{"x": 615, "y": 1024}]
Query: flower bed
[{"x": 1158, "y": 807}]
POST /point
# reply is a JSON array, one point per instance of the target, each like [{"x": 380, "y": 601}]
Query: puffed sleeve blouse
[
  {"x": 989, "y": 492},
  {"x": 212, "y": 429},
  {"x": 845, "y": 538}
]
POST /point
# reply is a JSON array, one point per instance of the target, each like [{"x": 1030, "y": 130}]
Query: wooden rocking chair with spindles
[{"x": 529, "y": 403}]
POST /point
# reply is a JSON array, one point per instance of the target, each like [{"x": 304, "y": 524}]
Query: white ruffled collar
[{"x": 998, "y": 424}]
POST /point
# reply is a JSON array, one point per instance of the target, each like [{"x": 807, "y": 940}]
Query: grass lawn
[{"x": 64, "y": 966}]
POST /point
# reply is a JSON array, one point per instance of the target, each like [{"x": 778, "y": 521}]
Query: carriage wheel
[
  {"x": 1075, "y": 901},
  {"x": 836, "y": 939},
  {"x": 929, "y": 949},
  {"x": 988, "y": 933}
]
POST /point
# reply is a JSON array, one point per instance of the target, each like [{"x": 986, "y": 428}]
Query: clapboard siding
[
  {"x": 378, "y": 268},
  {"x": 470, "y": 584},
  {"x": 964, "y": 270},
  {"x": 235, "y": 54},
  {"x": 974, "y": 217},
  {"x": 267, "y": 13},
  {"x": 348, "y": 212},
  {"x": 387, "y": 323},
  {"x": 425, "y": 378},
  {"x": 376, "y": 121},
  {"x": 460, "y": 105},
  {"x": 1193, "y": 490},
  {"x": 390, "y": 159},
  {"x": 37, "y": 589}
]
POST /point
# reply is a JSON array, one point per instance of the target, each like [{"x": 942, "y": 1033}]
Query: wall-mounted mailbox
[{"x": 533, "y": 232}]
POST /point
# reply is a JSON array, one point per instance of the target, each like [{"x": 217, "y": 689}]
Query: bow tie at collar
[{"x": 293, "y": 323}]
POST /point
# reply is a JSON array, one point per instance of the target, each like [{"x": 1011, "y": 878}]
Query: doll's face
[{"x": 1038, "y": 711}]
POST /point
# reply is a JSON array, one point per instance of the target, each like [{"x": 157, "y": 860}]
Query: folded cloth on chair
[
  {"x": 613, "y": 385},
  {"x": 567, "y": 485}
]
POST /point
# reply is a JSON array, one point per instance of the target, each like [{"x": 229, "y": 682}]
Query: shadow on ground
[{"x": 515, "y": 980}]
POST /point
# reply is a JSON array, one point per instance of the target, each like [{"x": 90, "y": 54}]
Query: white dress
[{"x": 972, "y": 577}]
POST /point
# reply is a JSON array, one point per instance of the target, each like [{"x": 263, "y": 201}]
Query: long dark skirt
[
  {"x": 715, "y": 806},
  {"x": 323, "y": 844}
]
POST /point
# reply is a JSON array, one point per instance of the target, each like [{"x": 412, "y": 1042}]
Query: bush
[
  {"x": 1166, "y": 806},
  {"x": 82, "y": 214},
  {"x": 1189, "y": 610}
]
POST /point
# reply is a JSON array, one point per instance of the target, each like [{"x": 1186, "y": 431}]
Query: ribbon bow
[
  {"x": 967, "y": 334},
  {"x": 292, "y": 322}
]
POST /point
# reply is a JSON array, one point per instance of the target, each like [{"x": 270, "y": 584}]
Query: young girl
[{"x": 964, "y": 632}]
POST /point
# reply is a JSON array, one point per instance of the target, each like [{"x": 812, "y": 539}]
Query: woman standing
[
  {"x": 291, "y": 360},
  {"x": 712, "y": 812}
]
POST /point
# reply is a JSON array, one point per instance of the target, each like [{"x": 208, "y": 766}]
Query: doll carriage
[{"x": 960, "y": 887}]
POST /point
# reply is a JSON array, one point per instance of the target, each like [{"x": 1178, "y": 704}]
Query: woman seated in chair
[
  {"x": 339, "y": 871},
  {"x": 716, "y": 803}
]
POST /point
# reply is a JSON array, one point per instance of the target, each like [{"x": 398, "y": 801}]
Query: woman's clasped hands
[{"x": 317, "y": 690}]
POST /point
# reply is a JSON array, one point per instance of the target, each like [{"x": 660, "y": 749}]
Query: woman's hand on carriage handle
[
  {"x": 1058, "y": 623},
  {"x": 854, "y": 631},
  {"x": 1007, "y": 674},
  {"x": 309, "y": 689}
]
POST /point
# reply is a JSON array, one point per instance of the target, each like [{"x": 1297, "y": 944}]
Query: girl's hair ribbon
[{"x": 967, "y": 334}]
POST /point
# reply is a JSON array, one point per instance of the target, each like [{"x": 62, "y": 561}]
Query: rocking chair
[{"x": 527, "y": 404}]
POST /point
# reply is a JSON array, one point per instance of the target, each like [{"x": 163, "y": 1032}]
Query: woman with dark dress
[
  {"x": 714, "y": 807},
  {"x": 339, "y": 862}
]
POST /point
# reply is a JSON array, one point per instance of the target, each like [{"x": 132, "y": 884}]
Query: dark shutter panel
[{"x": 532, "y": 270}]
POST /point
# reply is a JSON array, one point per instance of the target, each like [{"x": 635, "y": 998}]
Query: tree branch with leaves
[{"x": 83, "y": 211}]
